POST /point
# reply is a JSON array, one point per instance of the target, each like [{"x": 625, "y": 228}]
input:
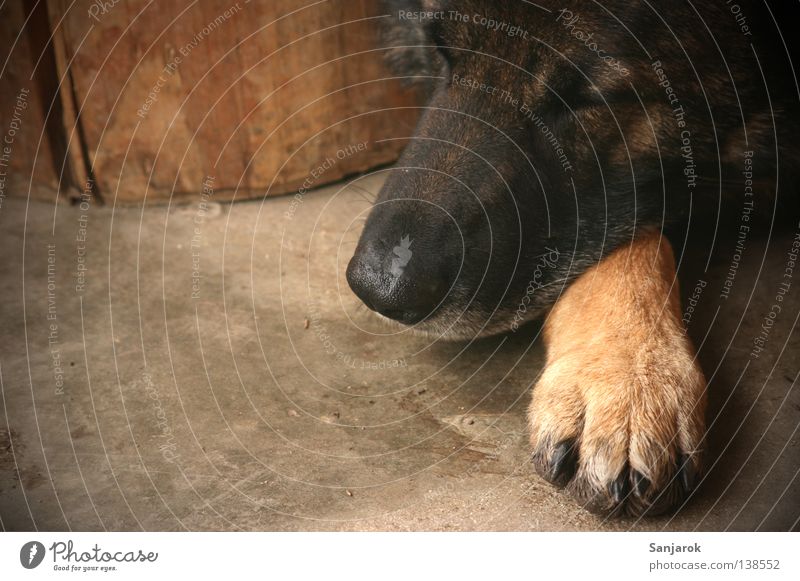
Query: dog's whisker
[{"x": 364, "y": 194}]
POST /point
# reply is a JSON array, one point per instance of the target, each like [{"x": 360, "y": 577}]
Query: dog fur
[{"x": 597, "y": 133}]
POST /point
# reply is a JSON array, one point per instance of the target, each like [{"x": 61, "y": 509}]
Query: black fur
[{"x": 487, "y": 187}]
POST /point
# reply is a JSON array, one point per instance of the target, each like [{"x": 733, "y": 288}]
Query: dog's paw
[{"x": 619, "y": 424}]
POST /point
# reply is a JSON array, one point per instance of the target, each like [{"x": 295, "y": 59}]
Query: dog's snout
[{"x": 391, "y": 278}]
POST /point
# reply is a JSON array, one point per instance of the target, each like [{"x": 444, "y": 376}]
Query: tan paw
[
  {"x": 621, "y": 433},
  {"x": 617, "y": 417}
]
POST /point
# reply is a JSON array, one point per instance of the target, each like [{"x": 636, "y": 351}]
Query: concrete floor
[{"x": 212, "y": 405}]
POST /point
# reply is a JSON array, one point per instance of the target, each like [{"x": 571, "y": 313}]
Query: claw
[
  {"x": 562, "y": 463},
  {"x": 688, "y": 473},
  {"x": 619, "y": 487},
  {"x": 640, "y": 484}
]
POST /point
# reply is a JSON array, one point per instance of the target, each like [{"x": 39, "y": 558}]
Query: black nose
[{"x": 397, "y": 279}]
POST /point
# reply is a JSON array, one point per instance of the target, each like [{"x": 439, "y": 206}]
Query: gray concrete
[{"x": 223, "y": 411}]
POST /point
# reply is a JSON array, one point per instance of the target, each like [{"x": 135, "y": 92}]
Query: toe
[{"x": 558, "y": 466}]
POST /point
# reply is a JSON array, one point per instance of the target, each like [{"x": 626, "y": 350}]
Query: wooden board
[
  {"x": 32, "y": 145},
  {"x": 263, "y": 97}
]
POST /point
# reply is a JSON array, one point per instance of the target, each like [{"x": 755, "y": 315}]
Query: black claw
[
  {"x": 563, "y": 463},
  {"x": 688, "y": 473},
  {"x": 640, "y": 484},
  {"x": 619, "y": 487}
]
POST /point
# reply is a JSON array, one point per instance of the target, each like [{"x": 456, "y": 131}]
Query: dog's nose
[{"x": 396, "y": 279}]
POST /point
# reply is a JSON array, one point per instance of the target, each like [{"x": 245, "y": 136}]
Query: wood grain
[
  {"x": 257, "y": 95},
  {"x": 33, "y": 159}
]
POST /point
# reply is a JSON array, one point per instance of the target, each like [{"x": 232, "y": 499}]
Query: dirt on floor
[{"x": 205, "y": 367}]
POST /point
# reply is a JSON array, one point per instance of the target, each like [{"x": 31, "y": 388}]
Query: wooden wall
[
  {"x": 155, "y": 96},
  {"x": 31, "y": 134}
]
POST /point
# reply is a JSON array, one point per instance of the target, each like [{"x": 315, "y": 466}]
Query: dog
[{"x": 563, "y": 146}]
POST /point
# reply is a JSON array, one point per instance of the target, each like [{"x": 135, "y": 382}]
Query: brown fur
[
  {"x": 482, "y": 189},
  {"x": 622, "y": 381}
]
